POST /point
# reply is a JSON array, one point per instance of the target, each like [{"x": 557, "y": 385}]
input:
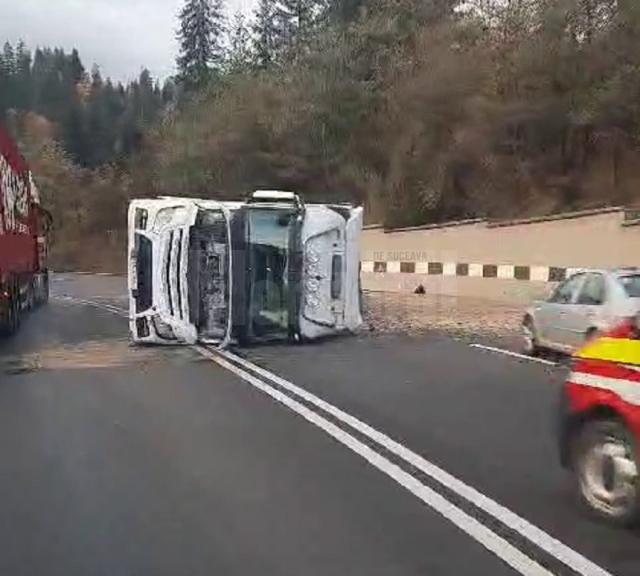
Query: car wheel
[
  {"x": 530, "y": 337},
  {"x": 606, "y": 472},
  {"x": 591, "y": 335}
]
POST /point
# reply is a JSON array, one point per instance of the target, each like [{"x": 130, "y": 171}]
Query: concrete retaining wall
[{"x": 511, "y": 261}]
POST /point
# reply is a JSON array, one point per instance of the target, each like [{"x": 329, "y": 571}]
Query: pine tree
[
  {"x": 147, "y": 98},
  {"x": 265, "y": 32},
  {"x": 8, "y": 69},
  {"x": 169, "y": 92},
  {"x": 240, "y": 45},
  {"x": 76, "y": 69},
  {"x": 295, "y": 21},
  {"x": 23, "y": 77},
  {"x": 201, "y": 42},
  {"x": 218, "y": 52},
  {"x": 6, "y": 79},
  {"x": 9, "y": 59}
]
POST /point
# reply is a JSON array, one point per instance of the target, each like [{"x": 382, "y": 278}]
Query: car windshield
[
  {"x": 268, "y": 233},
  {"x": 631, "y": 285}
]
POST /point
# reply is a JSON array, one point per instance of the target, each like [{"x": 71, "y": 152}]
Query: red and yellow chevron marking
[{"x": 607, "y": 373}]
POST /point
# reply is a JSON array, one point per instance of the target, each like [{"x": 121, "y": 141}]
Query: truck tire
[
  {"x": 42, "y": 289},
  {"x": 12, "y": 318},
  {"x": 45, "y": 288},
  {"x": 31, "y": 298},
  {"x": 17, "y": 307},
  {"x": 606, "y": 471}
]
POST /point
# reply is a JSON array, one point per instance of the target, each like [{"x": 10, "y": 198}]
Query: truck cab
[{"x": 269, "y": 267}]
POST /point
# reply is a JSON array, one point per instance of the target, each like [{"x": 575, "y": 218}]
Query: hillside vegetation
[{"x": 423, "y": 110}]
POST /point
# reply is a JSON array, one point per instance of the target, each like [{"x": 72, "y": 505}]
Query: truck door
[{"x": 325, "y": 262}]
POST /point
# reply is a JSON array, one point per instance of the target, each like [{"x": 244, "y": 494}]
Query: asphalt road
[{"x": 427, "y": 456}]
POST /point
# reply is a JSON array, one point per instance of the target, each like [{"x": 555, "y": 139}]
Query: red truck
[{"x": 24, "y": 279}]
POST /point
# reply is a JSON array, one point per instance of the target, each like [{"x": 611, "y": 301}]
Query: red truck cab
[
  {"x": 24, "y": 278},
  {"x": 600, "y": 424}
]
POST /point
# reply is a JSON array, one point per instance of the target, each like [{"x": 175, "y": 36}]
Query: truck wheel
[
  {"x": 31, "y": 296},
  {"x": 13, "y": 311},
  {"x": 17, "y": 316},
  {"x": 606, "y": 472},
  {"x": 45, "y": 288},
  {"x": 42, "y": 290}
]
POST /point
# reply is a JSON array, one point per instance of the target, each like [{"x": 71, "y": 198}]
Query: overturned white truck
[{"x": 219, "y": 272}]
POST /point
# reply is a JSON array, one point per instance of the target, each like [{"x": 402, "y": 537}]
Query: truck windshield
[
  {"x": 143, "y": 273},
  {"x": 268, "y": 235}
]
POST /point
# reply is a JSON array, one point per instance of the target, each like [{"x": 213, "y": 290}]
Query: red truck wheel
[{"x": 12, "y": 311}]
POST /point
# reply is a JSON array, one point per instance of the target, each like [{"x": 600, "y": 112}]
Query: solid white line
[
  {"x": 546, "y": 542},
  {"x": 479, "y": 532},
  {"x": 514, "y": 354}
]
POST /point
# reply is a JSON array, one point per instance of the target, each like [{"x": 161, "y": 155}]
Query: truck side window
[{"x": 336, "y": 276}]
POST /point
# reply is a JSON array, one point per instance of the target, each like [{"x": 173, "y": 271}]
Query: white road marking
[
  {"x": 514, "y": 354},
  {"x": 540, "y": 538},
  {"x": 544, "y": 541},
  {"x": 478, "y": 531}
]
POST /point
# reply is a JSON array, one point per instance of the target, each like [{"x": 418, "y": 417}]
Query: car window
[
  {"x": 593, "y": 291},
  {"x": 564, "y": 293},
  {"x": 631, "y": 285}
]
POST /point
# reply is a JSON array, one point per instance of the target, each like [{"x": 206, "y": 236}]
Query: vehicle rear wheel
[
  {"x": 44, "y": 298},
  {"x": 591, "y": 335},
  {"x": 530, "y": 336},
  {"x": 42, "y": 289},
  {"x": 13, "y": 312},
  {"x": 31, "y": 297},
  {"x": 606, "y": 472}
]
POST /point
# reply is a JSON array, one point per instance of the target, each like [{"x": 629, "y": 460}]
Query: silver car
[{"x": 587, "y": 303}]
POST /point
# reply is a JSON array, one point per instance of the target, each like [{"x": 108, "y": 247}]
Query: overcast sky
[{"x": 121, "y": 36}]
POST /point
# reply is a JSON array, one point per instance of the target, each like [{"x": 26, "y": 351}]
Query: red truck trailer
[{"x": 24, "y": 279}]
